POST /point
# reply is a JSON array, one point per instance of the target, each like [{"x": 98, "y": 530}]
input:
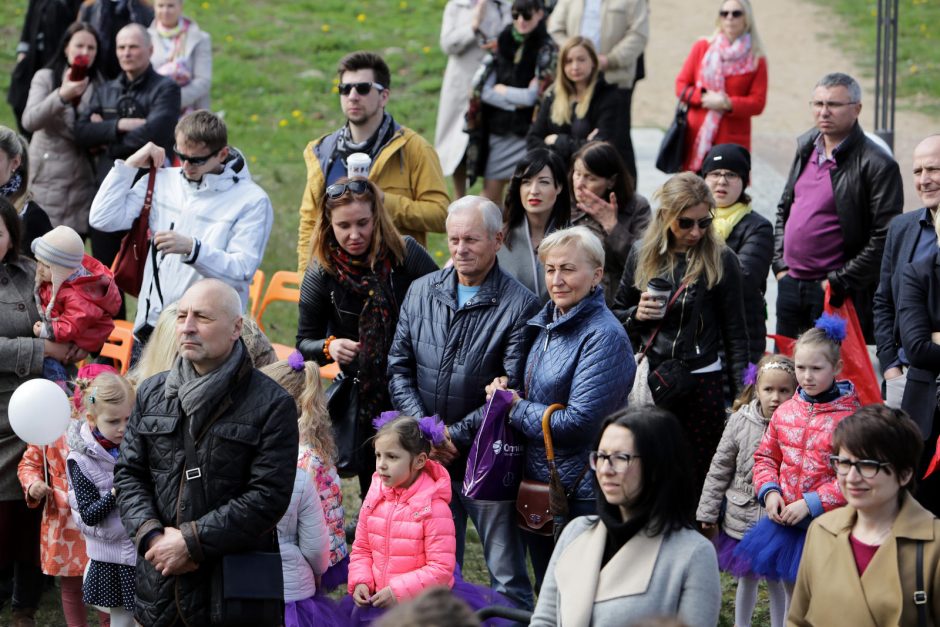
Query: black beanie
[{"x": 729, "y": 157}]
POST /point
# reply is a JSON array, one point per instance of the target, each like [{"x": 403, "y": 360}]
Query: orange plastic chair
[
  {"x": 254, "y": 292},
  {"x": 119, "y": 346},
  {"x": 329, "y": 371},
  {"x": 284, "y": 286},
  {"x": 125, "y": 324}
]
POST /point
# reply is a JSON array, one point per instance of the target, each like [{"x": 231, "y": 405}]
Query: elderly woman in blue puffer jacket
[{"x": 582, "y": 359}]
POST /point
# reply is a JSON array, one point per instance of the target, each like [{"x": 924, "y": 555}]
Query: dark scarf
[
  {"x": 518, "y": 55},
  {"x": 113, "y": 449},
  {"x": 619, "y": 531},
  {"x": 200, "y": 395},
  {"x": 11, "y": 187},
  {"x": 377, "y": 323},
  {"x": 345, "y": 145},
  {"x": 826, "y": 397}
]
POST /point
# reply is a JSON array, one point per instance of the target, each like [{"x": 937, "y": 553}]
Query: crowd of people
[{"x": 647, "y": 438}]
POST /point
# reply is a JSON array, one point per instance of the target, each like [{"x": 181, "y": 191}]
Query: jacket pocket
[
  {"x": 161, "y": 445},
  {"x": 232, "y": 445}
]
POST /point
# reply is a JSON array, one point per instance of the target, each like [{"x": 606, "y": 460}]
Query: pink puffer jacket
[
  {"x": 405, "y": 537},
  {"x": 793, "y": 456}
]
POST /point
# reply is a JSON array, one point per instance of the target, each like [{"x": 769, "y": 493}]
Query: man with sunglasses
[
  {"x": 209, "y": 219},
  {"x": 842, "y": 192},
  {"x": 404, "y": 167}
]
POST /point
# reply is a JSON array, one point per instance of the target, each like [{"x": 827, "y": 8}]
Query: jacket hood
[
  {"x": 586, "y": 308},
  {"x": 235, "y": 170},
  {"x": 99, "y": 287},
  {"x": 433, "y": 483},
  {"x": 847, "y": 401},
  {"x": 82, "y": 441},
  {"x": 752, "y": 413}
]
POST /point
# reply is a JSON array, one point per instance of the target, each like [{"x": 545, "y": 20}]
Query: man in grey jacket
[{"x": 459, "y": 328}]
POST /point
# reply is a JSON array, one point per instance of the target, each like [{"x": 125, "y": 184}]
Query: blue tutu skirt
[
  {"x": 317, "y": 611},
  {"x": 738, "y": 567},
  {"x": 772, "y": 551},
  {"x": 335, "y": 576}
]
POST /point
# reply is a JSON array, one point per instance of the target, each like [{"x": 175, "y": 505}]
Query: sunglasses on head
[
  {"x": 687, "y": 223},
  {"x": 361, "y": 88},
  {"x": 525, "y": 14},
  {"x": 194, "y": 160},
  {"x": 356, "y": 186},
  {"x": 735, "y": 14}
]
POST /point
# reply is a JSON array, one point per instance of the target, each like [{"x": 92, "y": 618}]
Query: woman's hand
[
  {"x": 37, "y": 328},
  {"x": 499, "y": 383},
  {"x": 716, "y": 101},
  {"x": 70, "y": 90},
  {"x": 38, "y": 490},
  {"x": 601, "y": 210},
  {"x": 774, "y": 505},
  {"x": 384, "y": 598},
  {"x": 446, "y": 452},
  {"x": 795, "y": 512},
  {"x": 650, "y": 308},
  {"x": 360, "y": 595},
  {"x": 344, "y": 351}
]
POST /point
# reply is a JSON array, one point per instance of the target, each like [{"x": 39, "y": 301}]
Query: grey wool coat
[{"x": 20, "y": 359}]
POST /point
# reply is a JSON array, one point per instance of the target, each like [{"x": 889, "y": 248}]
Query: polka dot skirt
[{"x": 109, "y": 585}]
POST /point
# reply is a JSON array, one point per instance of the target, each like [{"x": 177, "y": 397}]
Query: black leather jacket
[
  {"x": 695, "y": 339},
  {"x": 869, "y": 193},
  {"x": 247, "y": 458}
]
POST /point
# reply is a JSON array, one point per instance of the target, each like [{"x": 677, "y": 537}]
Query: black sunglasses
[
  {"x": 525, "y": 14},
  {"x": 735, "y": 14},
  {"x": 687, "y": 223},
  {"x": 195, "y": 160},
  {"x": 361, "y": 88},
  {"x": 356, "y": 186}
]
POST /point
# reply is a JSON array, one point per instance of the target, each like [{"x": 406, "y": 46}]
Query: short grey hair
[
  {"x": 838, "y": 79},
  {"x": 582, "y": 237},
  {"x": 139, "y": 29},
  {"x": 489, "y": 211}
]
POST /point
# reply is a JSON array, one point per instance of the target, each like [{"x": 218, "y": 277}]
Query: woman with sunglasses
[
  {"x": 695, "y": 312},
  {"x": 724, "y": 82},
  {"x": 639, "y": 557},
  {"x": 507, "y": 87},
  {"x": 860, "y": 563},
  {"x": 351, "y": 294},
  {"x": 537, "y": 204}
]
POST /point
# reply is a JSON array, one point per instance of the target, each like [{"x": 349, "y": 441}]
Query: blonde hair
[
  {"x": 107, "y": 389},
  {"x": 682, "y": 191},
  {"x": 160, "y": 351},
  {"x": 314, "y": 420},
  {"x": 580, "y": 236},
  {"x": 750, "y": 27},
  {"x": 566, "y": 90},
  {"x": 767, "y": 362}
]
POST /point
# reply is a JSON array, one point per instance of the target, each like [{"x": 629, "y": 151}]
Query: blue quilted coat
[{"x": 584, "y": 361}]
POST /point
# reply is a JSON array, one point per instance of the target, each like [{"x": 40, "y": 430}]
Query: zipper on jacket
[
  {"x": 685, "y": 297},
  {"x": 388, "y": 540}
]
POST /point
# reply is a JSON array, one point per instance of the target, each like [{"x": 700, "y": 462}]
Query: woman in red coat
[{"x": 728, "y": 77}]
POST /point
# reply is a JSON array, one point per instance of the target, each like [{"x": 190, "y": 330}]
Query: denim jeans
[
  {"x": 503, "y": 550},
  {"x": 799, "y": 304}
]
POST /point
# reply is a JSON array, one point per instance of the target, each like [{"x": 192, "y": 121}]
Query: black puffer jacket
[
  {"x": 869, "y": 193},
  {"x": 247, "y": 457},
  {"x": 719, "y": 324},
  {"x": 752, "y": 240},
  {"x": 443, "y": 357}
]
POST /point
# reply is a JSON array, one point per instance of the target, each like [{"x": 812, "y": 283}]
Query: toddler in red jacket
[
  {"x": 793, "y": 478},
  {"x": 75, "y": 294}
]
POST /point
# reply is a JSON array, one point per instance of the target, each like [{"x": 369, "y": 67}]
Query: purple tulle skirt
[
  {"x": 317, "y": 611},
  {"x": 725, "y": 546},
  {"x": 335, "y": 576},
  {"x": 772, "y": 551}
]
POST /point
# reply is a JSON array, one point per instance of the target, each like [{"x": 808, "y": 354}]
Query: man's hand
[
  {"x": 37, "y": 328},
  {"x": 148, "y": 154},
  {"x": 360, "y": 595},
  {"x": 499, "y": 383},
  {"x": 75, "y": 354},
  {"x": 173, "y": 243},
  {"x": 894, "y": 373},
  {"x": 781, "y": 274},
  {"x": 551, "y": 139},
  {"x": 169, "y": 555},
  {"x": 384, "y": 598},
  {"x": 446, "y": 452}
]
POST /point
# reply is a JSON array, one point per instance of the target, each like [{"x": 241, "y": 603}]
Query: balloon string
[{"x": 45, "y": 465}]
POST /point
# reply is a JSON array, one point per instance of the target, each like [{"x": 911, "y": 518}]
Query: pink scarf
[{"x": 721, "y": 59}]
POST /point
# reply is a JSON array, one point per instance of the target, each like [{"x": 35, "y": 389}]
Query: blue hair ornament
[{"x": 833, "y": 326}]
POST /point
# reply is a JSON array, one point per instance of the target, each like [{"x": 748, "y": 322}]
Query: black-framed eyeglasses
[
  {"x": 191, "y": 160},
  {"x": 736, "y": 13},
  {"x": 525, "y": 14},
  {"x": 867, "y": 468},
  {"x": 727, "y": 175},
  {"x": 619, "y": 462},
  {"x": 362, "y": 89},
  {"x": 356, "y": 186},
  {"x": 685, "y": 224}
]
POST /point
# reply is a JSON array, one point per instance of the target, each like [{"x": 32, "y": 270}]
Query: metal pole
[{"x": 886, "y": 70}]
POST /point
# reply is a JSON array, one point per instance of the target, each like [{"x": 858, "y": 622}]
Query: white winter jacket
[
  {"x": 304, "y": 539},
  {"x": 227, "y": 213}
]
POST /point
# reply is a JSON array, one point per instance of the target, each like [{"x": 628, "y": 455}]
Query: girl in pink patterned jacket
[{"x": 792, "y": 475}]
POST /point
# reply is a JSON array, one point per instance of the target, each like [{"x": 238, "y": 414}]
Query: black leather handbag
[
  {"x": 672, "y": 149},
  {"x": 342, "y": 403}
]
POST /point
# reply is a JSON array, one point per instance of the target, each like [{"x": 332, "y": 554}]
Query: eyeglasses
[
  {"x": 867, "y": 468},
  {"x": 362, "y": 89},
  {"x": 685, "y": 224},
  {"x": 525, "y": 14},
  {"x": 735, "y": 14},
  {"x": 819, "y": 105},
  {"x": 619, "y": 462},
  {"x": 727, "y": 175},
  {"x": 191, "y": 160},
  {"x": 356, "y": 186}
]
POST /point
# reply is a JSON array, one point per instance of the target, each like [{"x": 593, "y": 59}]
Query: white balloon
[{"x": 39, "y": 412}]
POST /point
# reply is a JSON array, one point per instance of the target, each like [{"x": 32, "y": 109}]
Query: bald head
[
  {"x": 927, "y": 171},
  {"x": 208, "y": 324}
]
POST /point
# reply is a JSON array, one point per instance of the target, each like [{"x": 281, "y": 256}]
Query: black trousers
[{"x": 799, "y": 304}]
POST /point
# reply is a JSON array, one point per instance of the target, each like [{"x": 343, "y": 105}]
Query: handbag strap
[
  {"x": 685, "y": 99},
  {"x": 920, "y": 594},
  {"x": 547, "y": 430},
  {"x": 661, "y": 322}
]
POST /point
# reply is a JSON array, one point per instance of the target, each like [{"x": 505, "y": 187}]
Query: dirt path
[{"x": 799, "y": 51}]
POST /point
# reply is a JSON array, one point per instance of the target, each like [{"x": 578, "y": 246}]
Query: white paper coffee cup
[{"x": 358, "y": 164}]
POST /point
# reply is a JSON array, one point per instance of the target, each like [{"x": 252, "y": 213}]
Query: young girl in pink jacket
[{"x": 405, "y": 540}]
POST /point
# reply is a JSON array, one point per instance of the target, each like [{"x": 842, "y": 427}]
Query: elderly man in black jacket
[
  {"x": 842, "y": 192},
  {"x": 184, "y": 510},
  {"x": 459, "y": 328}
]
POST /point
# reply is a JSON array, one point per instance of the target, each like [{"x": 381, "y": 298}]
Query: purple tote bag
[{"x": 494, "y": 463}]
